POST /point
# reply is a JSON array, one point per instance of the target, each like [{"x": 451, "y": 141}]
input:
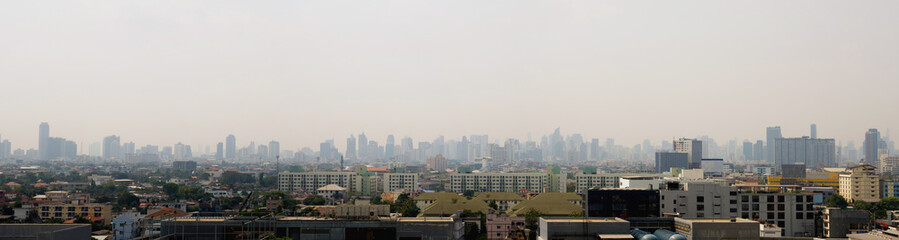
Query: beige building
[
  {"x": 311, "y": 181},
  {"x": 499, "y": 182},
  {"x": 405, "y": 182},
  {"x": 69, "y": 211},
  {"x": 860, "y": 182}
]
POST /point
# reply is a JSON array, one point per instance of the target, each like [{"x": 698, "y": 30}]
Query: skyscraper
[
  {"x": 112, "y": 147},
  {"x": 220, "y": 151},
  {"x": 771, "y": 133},
  {"x": 389, "y": 147},
  {"x": 230, "y": 147},
  {"x": 813, "y": 152},
  {"x": 872, "y": 146},
  {"x": 693, "y": 149},
  {"x": 361, "y": 147},
  {"x": 747, "y": 150},
  {"x": 814, "y": 131},
  {"x": 43, "y": 140},
  {"x": 351, "y": 147},
  {"x": 758, "y": 150},
  {"x": 274, "y": 149}
]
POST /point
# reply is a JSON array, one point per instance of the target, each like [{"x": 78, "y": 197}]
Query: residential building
[
  {"x": 437, "y": 163},
  {"x": 860, "y": 182},
  {"x": 890, "y": 189},
  {"x": 813, "y": 152},
  {"x": 840, "y": 222},
  {"x": 889, "y": 165},
  {"x": 498, "y": 228},
  {"x": 69, "y": 211},
  {"x": 504, "y": 200},
  {"x": 126, "y": 226},
  {"x": 584, "y": 181},
  {"x": 310, "y": 181},
  {"x": 332, "y": 191},
  {"x": 550, "y": 204},
  {"x": 498, "y": 182},
  {"x": 406, "y": 182},
  {"x": 184, "y": 165}
]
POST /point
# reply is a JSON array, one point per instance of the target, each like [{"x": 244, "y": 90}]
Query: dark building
[
  {"x": 45, "y": 231},
  {"x": 793, "y": 170},
  {"x": 622, "y": 202},
  {"x": 667, "y": 160},
  {"x": 313, "y": 228},
  {"x": 184, "y": 165}
]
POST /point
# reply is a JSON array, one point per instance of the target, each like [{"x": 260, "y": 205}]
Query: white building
[
  {"x": 126, "y": 226},
  {"x": 310, "y": 181},
  {"x": 499, "y": 182},
  {"x": 407, "y": 182},
  {"x": 331, "y": 191},
  {"x": 643, "y": 182}
]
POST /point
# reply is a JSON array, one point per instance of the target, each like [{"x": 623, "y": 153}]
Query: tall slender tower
[
  {"x": 872, "y": 145},
  {"x": 814, "y": 131},
  {"x": 772, "y": 133},
  {"x": 43, "y": 140},
  {"x": 230, "y": 147}
]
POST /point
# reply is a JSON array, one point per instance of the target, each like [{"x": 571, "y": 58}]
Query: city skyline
[{"x": 162, "y": 73}]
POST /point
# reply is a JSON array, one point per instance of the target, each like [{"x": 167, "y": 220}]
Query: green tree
[
  {"x": 170, "y": 188},
  {"x": 315, "y": 200},
  {"x": 836, "y": 201},
  {"x": 405, "y": 206},
  {"x": 531, "y": 217},
  {"x": 127, "y": 200},
  {"x": 493, "y": 205}
]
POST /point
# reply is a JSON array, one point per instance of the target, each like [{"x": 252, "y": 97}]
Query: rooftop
[{"x": 582, "y": 220}]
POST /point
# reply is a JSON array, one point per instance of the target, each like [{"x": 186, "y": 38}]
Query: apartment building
[
  {"x": 310, "y": 181},
  {"x": 407, "y": 182},
  {"x": 585, "y": 181},
  {"x": 499, "y": 182},
  {"x": 860, "y": 182},
  {"x": 69, "y": 211}
]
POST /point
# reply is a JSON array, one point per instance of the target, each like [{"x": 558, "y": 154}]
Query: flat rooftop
[
  {"x": 718, "y": 220},
  {"x": 582, "y": 220}
]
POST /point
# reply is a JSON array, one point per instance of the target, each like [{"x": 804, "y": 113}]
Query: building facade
[
  {"x": 499, "y": 182},
  {"x": 860, "y": 183},
  {"x": 406, "y": 182},
  {"x": 310, "y": 181}
]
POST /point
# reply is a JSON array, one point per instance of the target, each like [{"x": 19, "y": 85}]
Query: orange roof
[
  {"x": 377, "y": 169},
  {"x": 167, "y": 212},
  {"x": 90, "y": 218}
]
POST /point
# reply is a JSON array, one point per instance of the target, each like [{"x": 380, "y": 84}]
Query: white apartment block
[
  {"x": 860, "y": 182},
  {"x": 406, "y": 182},
  {"x": 310, "y": 181},
  {"x": 789, "y": 209},
  {"x": 584, "y": 182},
  {"x": 499, "y": 182}
]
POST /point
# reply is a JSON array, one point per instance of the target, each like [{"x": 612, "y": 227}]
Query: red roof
[
  {"x": 167, "y": 212},
  {"x": 377, "y": 169}
]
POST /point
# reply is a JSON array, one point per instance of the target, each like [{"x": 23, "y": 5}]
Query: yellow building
[
  {"x": 860, "y": 182},
  {"x": 69, "y": 211},
  {"x": 812, "y": 179}
]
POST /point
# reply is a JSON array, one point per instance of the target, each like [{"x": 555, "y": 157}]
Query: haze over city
[{"x": 300, "y": 72}]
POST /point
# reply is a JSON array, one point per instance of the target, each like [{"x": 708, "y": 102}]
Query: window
[
  {"x": 770, "y": 215},
  {"x": 84, "y": 209},
  {"x": 798, "y": 207},
  {"x": 745, "y": 207},
  {"x": 770, "y": 198},
  {"x": 745, "y": 215},
  {"x": 700, "y": 207},
  {"x": 733, "y": 201},
  {"x": 798, "y": 198},
  {"x": 733, "y": 210},
  {"x": 700, "y": 215},
  {"x": 810, "y": 215},
  {"x": 57, "y": 209},
  {"x": 780, "y": 198},
  {"x": 809, "y": 198},
  {"x": 755, "y": 198},
  {"x": 770, "y": 207},
  {"x": 96, "y": 214},
  {"x": 744, "y": 198},
  {"x": 781, "y": 207},
  {"x": 799, "y": 215},
  {"x": 755, "y": 207},
  {"x": 780, "y": 216},
  {"x": 781, "y": 224},
  {"x": 71, "y": 209},
  {"x": 700, "y": 199}
]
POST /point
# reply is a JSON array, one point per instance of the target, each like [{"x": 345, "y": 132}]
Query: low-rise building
[
  {"x": 840, "y": 222},
  {"x": 406, "y": 182},
  {"x": 126, "y": 226},
  {"x": 499, "y": 182},
  {"x": 503, "y": 200},
  {"x": 68, "y": 211},
  {"x": 582, "y": 228},
  {"x": 498, "y": 228},
  {"x": 332, "y": 191},
  {"x": 717, "y": 228}
]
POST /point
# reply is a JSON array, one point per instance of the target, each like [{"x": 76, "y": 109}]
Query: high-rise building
[
  {"x": 274, "y": 149},
  {"x": 43, "y": 139},
  {"x": 389, "y": 147},
  {"x": 747, "y": 150},
  {"x": 350, "y": 147},
  {"x": 813, "y": 152},
  {"x": 814, "y": 131},
  {"x": 861, "y": 182},
  {"x": 362, "y": 150},
  {"x": 112, "y": 147},
  {"x": 230, "y": 147},
  {"x": 771, "y": 133},
  {"x": 758, "y": 150},
  {"x": 180, "y": 151},
  {"x": 220, "y": 151},
  {"x": 5, "y": 149},
  {"x": 667, "y": 160},
  {"x": 872, "y": 146},
  {"x": 437, "y": 163},
  {"x": 128, "y": 148},
  {"x": 693, "y": 148}
]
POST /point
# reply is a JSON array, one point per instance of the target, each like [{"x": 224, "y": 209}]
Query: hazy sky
[{"x": 160, "y": 72}]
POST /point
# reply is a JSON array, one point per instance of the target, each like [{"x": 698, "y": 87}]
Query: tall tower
[
  {"x": 351, "y": 147},
  {"x": 230, "y": 147},
  {"x": 112, "y": 147},
  {"x": 693, "y": 148},
  {"x": 771, "y": 133},
  {"x": 220, "y": 151},
  {"x": 389, "y": 147},
  {"x": 362, "y": 147},
  {"x": 43, "y": 140},
  {"x": 872, "y": 145},
  {"x": 814, "y": 131}
]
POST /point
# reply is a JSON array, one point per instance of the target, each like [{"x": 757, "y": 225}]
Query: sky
[{"x": 161, "y": 72}]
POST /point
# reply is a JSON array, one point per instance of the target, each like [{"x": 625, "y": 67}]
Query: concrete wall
[{"x": 45, "y": 231}]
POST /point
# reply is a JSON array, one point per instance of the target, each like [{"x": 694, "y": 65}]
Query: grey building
[
  {"x": 184, "y": 165},
  {"x": 112, "y": 147},
  {"x": 717, "y": 228},
  {"x": 43, "y": 140},
  {"x": 693, "y": 149},
  {"x": 436, "y": 228},
  {"x": 793, "y": 170},
  {"x": 582, "y": 228},
  {"x": 667, "y": 160},
  {"x": 837, "y": 223},
  {"x": 45, "y": 231},
  {"x": 771, "y": 133},
  {"x": 872, "y": 146},
  {"x": 813, "y": 152},
  {"x": 230, "y": 147},
  {"x": 747, "y": 150}
]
